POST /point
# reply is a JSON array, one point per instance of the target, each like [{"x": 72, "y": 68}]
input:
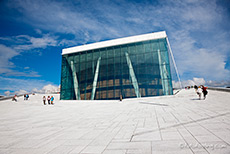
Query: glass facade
[{"x": 132, "y": 70}]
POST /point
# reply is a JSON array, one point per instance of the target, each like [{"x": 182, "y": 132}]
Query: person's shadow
[{"x": 195, "y": 99}]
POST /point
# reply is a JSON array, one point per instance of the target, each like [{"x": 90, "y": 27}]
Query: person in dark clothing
[
  {"x": 48, "y": 99},
  {"x": 15, "y": 98},
  {"x": 27, "y": 96},
  {"x": 204, "y": 90},
  {"x": 195, "y": 87},
  {"x": 44, "y": 100}
]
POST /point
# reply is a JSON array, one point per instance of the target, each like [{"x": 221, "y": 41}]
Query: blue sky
[{"x": 33, "y": 33}]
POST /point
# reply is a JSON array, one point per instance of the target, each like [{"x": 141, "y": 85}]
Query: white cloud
[
  {"x": 50, "y": 89},
  {"x": 6, "y": 54},
  {"x": 176, "y": 85},
  {"x": 7, "y": 93},
  {"x": 33, "y": 42},
  {"x": 202, "y": 62},
  {"x": 195, "y": 81},
  {"x": 47, "y": 89},
  {"x": 35, "y": 90},
  {"x": 201, "y": 81},
  {"x": 13, "y": 84},
  {"x": 218, "y": 83},
  {"x": 7, "y": 67},
  {"x": 21, "y": 43},
  {"x": 195, "y": 28},
  {"x": 20, "y": 92}
]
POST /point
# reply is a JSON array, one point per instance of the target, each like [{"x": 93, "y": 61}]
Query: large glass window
[{"x": 119, "y": 70}]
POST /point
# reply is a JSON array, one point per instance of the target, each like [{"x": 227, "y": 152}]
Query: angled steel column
[
  {"x": 174, "y": 63},
  {"x": 75, "y": 81},
  {"x": 166, "y": 76},
  {"x": 95, "y": 79},
  {"x": 163, "y": 73},
  {"x": 132, "y": 75}
]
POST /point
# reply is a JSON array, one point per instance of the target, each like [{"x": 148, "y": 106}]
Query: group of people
[
  {"x": 49, "y": 99},
  {"x": 15, "y": 98},
  {"x": 26, "y": 96},
  {"x": 201, "y": 89}
]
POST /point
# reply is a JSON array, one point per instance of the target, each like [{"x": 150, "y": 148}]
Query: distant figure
[
  {"x": 120, "y": 97},
  {"x": 196, "y": 88},
  {"x": 199, "y": 92},
  {"x": 204, "y": 90},
  {"x": 52, "y": 100},
  {"x": 15, "y": 98},
  {"x": 44, "y": 100},
  {"x": 24, "y": 96},
  {"x": 48, "y": 99},
  {"x": 27, "y": 96}
]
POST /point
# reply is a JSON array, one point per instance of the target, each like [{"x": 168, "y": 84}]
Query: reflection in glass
[{"x": 150, "y": 67}]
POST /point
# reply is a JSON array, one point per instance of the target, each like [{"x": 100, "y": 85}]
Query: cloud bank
[
  {"x": 199, "y": 31},
  {"x": 20, "y": 44},
  {"x": 195, "y": 28}
]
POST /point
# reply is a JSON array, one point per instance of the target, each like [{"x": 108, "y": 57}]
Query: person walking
[
  {"x": 199, "y": 92},
  {"x": 120, "y": 98},
  {"x": 48, "y": 99},
  {"x": 27, "y": 96},
  {"x": 15, "y": 98},
  {"x": 196, "y": 88},
  {"x": 52, "y": 100},
  {"x": 204, "y": 90},
  {"x": 44, "y": 100}
]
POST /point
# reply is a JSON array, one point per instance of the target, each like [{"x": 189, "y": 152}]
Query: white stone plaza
[{"x": 179, "y": 124}]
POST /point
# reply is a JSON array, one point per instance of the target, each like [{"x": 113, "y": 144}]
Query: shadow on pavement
[
  {"x": 153, "y": 103},
  {"x": 196, "y": 99}
]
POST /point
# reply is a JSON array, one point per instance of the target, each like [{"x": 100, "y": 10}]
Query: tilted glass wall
[{"x": 132, "y": 70}]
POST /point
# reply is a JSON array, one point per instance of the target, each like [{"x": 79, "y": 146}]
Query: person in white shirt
[{"x": 199, "y": 92}]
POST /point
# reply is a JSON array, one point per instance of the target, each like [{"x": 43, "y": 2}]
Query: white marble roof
[{"x": 114, "y": 42}]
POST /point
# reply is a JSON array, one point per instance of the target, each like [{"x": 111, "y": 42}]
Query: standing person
[
  {"x": 204, "y": 90},
  {"x": 199, "y": 92},
  {"x": 196, "y": 88},
  {"x": 27, "y": 96},
  {"x": 24, "y": 96},
  {"x": 48, "y": 99},
  {"x": 120, "y": 98},
  {"x": 52, "y": 100},
  {"x": 44, "y": 100}
]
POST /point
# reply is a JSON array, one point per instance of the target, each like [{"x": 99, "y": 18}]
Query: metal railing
[
  {"x": 219, "y": 89},
  {"x": 10, "y": 97}
]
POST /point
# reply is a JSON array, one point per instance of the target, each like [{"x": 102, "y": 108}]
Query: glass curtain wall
[{"x": 132, "y": 70}]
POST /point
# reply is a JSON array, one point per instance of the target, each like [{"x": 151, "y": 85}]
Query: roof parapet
[{"x": 114, "y": 42}]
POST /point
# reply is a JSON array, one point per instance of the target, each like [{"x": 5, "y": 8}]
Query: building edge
[{"x": 119, "y": 41}]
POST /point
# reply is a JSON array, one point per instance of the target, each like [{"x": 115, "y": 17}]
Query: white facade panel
[{"x": 120, "y": 41}]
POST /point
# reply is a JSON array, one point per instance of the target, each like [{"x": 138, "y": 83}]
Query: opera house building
[{"x": 130, "y": 67}]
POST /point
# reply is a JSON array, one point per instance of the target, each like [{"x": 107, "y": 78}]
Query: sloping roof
[{"x": 114, "y": 42}]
